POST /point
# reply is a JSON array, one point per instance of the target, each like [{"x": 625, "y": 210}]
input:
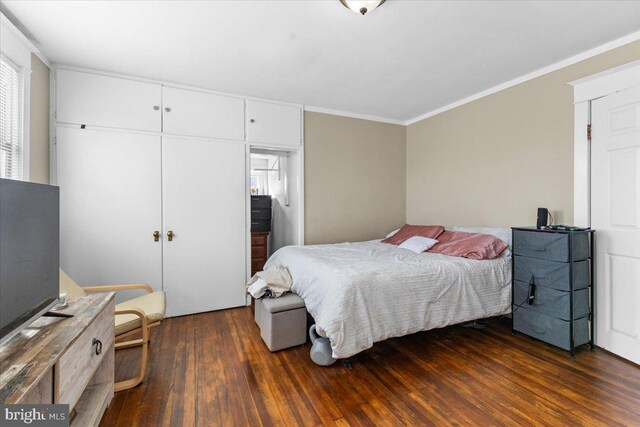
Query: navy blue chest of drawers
[{"x": 552, "y": 294}]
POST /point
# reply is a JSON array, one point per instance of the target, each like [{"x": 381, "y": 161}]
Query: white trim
[
  {"x": 13, "y": 45},
  {"x": 354, "y": 115},
  {"x": 586, "y": 90},
  {"x": 26, "y": 122},
  {"x": 53, "y": 149},
  {"x": 247, "y": 217},
  {"x": 301, "y": 189},
  {"x": 6, "y": 22},
  {"x": 606, "y": 82},
  {"x": 540, "y": 72},
  {"x": 582, "y": 163}
]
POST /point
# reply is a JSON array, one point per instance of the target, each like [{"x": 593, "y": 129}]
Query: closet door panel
[
  {"x": 110, "y": 205},
  {"x": 269, "y": 123},
  {"x": 93, "y": 99},
  {"x": 204, "y": 207},
  {"x": 193, "y": 113}
]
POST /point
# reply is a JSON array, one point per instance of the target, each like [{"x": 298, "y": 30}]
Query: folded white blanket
[{"x": 275, "y": 281}]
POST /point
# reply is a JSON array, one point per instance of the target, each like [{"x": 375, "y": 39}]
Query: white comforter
[{"x": 361, "y": 293}]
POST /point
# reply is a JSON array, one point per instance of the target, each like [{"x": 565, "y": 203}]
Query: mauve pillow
[
  {"x": 407, "y": 231},
  {"x": 468, "y": 245}
]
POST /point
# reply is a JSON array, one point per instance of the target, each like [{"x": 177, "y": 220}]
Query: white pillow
[
  {"x": 392, "y": 233},
  {"x": 501, "y": 233},
  {"x": 418, "y": 244}
]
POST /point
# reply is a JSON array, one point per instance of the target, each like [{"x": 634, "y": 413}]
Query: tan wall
[
  {"x": 39, "y": 122},
  {"x": 495, "y": 160},
  {"x": 354, "y": 178}
]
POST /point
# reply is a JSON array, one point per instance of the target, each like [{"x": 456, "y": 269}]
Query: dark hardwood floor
[{"x": 214, "y": 369}]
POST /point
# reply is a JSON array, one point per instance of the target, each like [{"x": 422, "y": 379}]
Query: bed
[{"x": 365, "y": 292}]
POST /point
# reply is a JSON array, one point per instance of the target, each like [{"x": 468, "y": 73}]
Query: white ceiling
[{"x": 402, "y": 60}]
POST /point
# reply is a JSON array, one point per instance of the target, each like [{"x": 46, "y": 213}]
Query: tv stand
[
  {"x": 70, "y": 362},
  {"x": 57, "y": 314}
]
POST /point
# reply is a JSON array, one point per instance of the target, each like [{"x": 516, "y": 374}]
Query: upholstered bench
[{"x": 282, "y": 321}]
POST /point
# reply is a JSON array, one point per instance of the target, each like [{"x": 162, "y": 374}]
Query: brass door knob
[
  {"x": 170, "y": 235},
  {"x": 156, "y": 236}
]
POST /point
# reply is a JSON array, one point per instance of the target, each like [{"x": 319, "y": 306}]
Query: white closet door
[
  {"x": 193, "y": 113},
  {"x": 93, "y": 99},
  {"x": 110, "y": 205},
  {"x": 204, "y": 207},
  {"x": 274, "y": 124},
  {"x": 615, "y": 215}
]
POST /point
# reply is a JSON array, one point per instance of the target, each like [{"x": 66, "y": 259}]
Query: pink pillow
[
  {"x": 407, "y": 231},
  {"x": 468, "y": 245}
]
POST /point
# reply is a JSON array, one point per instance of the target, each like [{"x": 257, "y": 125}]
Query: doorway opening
[{"x": 275, "y": 188}]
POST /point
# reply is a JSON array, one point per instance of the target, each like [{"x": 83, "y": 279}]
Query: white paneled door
[
  {"x": 204, "y": 194},
  {"x": 110, "y": 206},
  {"x": 615, "y": 213}
]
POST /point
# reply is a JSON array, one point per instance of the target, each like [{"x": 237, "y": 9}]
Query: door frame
[
  {"x": 585, "y": 90},
  {"x": 300, "y": 194}
]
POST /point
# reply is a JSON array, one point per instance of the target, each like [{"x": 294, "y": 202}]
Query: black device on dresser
[
  {"x": 260, "y": 214},
  {"x": 553, "y": 283}
]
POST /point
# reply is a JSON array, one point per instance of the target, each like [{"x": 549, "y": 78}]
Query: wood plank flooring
[{"x": 213, "y": 369}]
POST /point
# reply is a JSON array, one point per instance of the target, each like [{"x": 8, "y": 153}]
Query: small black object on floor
[{"x": 475, "y": 325}]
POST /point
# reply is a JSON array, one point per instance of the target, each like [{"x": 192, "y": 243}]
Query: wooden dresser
[
  {"x": 258, "y": 251},
  {"x": 68, "y": 361}
]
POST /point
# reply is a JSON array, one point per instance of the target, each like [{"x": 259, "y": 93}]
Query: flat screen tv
[{"x": 29, "y": 253}]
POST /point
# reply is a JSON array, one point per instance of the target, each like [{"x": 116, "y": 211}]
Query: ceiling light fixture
[{"x": 362, "y": 6}]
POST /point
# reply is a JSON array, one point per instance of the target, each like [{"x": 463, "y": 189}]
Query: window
[
  {"x": 259, "y": 183},
  {"x": 11, "y": 153}
]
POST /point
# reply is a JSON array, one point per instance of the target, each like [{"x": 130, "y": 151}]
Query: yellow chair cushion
[
  {"x": 152, "y": 304},
  {"x": 67, "y": 284}
]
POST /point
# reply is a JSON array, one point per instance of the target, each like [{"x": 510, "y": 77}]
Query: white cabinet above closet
[
  {"x": 274, "y": 124},
  {"x": 93, "y": 99},
  {"x": 193, "y": 113}
]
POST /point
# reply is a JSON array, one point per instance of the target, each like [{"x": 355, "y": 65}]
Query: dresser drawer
[
  {"x": 552, "y": 274},
  {"x": 551, "y": 301},
  {"x": 550, "y": 329},
  {"x": 77, "y": 365},
  {"x": 258, "y": 252},
  {"x": 262, "y": 225},
  {"x": 258, "y": 240},
  {"x": 550, "y": 246},
  {"x": 260, "y": 202},
  {"x": 260, "y": 213}
]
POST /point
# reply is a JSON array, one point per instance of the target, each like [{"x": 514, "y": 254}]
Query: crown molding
[{"x": 354, "y": 115}]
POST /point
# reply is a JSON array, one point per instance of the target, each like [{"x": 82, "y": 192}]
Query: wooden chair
[{"x": 137, "y": 315}]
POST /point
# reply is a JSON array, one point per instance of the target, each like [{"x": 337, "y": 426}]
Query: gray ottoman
[{"x": 282, "y": 321}]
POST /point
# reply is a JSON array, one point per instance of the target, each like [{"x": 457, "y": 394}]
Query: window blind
[{"x": 10, "y": 120}]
